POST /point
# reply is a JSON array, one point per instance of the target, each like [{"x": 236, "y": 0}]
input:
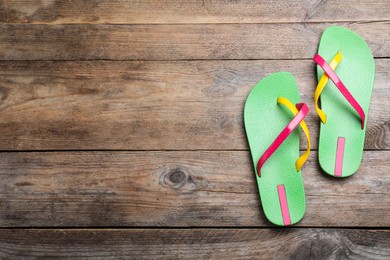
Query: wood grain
[
  {"x": 159, "y": 87},
  {"x": 194, "y": 11},
  {"x": 180, "y": 189},
  {"x": 133, "y": 105},
  {"x": 297, "y": 244},
  {"x": 176, "y": 42}
]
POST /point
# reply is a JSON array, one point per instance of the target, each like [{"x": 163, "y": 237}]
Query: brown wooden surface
[
  {"x": 182, "y": 188},
  {"x": 193, "y": 11},
  {"x": 177, "y": 42},
  {"x": 145, "y": 105},
  {"x": 121, "y": 131},
  {"x": 195, "y": 244}
]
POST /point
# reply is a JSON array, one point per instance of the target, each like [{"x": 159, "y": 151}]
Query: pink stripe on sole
[
  {"x": 284, "y": 205},
  {"x": 339, "y": 157}
]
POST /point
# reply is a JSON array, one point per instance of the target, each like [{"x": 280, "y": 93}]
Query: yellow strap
[
  {"x": 321, "y": 85},
  {"x": 302, "y": 159}
]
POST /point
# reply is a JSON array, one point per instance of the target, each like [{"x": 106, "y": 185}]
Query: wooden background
[{"x": 121, "y": 130}]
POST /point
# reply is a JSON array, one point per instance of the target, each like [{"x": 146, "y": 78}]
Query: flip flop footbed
[
  {"x": 280, "y": 185},
  {"x": 341, "y": 139}
]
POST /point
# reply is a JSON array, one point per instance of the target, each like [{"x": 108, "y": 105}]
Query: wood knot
[
  {"x": 175, "y": 177},
  {"x": 4, "y": 92}
]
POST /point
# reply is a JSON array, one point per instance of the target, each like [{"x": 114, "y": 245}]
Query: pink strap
[
  {"x": 302, "y": 112},
  {"x": 284, "y": 205},
  {"x": 339, "y": 84},
  {"x": 338, "y": 169}
]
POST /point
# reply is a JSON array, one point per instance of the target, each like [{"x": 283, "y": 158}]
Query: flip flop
[
  {"x": 270, "y": 119},
  {"x": 345, "y": 99}
]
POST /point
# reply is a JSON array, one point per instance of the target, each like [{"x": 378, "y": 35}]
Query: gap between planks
[
  {"x": 232, "y": 23},
  {"x": 190, "y": 227}
]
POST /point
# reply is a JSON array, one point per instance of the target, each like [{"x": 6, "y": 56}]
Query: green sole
[
  {"x": 264, "y": 119},
  {"x": 357, "y": 71}
]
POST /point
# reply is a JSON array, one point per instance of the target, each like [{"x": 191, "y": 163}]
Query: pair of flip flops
[{"x": 345, "y": 73}]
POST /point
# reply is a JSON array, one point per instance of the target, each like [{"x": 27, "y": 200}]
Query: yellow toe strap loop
[
  {"x": 302, "y": 159},
  {"x": 321, "y": 85}
]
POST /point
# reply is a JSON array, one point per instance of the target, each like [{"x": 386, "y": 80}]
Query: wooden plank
[
  {"x": 186, "y": 105},
  {"x": 195, "y": 243},
  {"x": 195, "y": 11},
  {"x": 204, "y": 188},
  {"x": 176, "y": 42}
]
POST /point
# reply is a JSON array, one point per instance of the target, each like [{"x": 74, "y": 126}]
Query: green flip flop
[
  {"x": 270, "y": 119},
  {"x": 345, "y": 99}
]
